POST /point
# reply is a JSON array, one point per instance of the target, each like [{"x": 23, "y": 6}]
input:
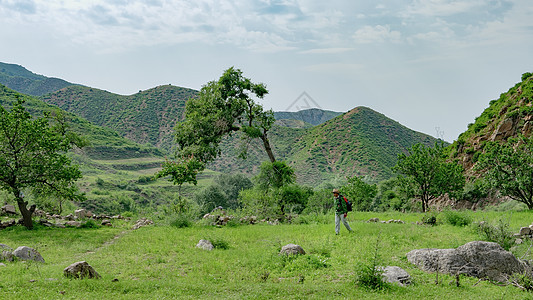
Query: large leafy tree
[
  {"x": 33, "y": 156},
  {"x": 360, "y": 193},
  {"x": 222, "y": 108},
  {"x": 508, "y": 167},
  {"x": 426, "y": 174}
]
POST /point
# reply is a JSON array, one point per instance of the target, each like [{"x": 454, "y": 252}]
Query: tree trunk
[
  {"x": 268, "y": 149},
  {"x": 24, "y": 211}
]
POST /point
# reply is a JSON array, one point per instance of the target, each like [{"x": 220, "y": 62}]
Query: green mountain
[
  {"x": 20, "y": 79},
  {"x": 360, "y": 142},
  {"x": 313, "y": 116},
  {"x": 104, "y": 142},
  {"x": 147, "y": 117},
  {"x": 507, "y": 116}
]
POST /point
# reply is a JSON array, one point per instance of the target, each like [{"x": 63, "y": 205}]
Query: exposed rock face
[
  {"x": 397, "y": 275},
  {"x": 27, "y": 253},
  {"x": 81, "y": 270},
  {"x": 205, "y": 244},
  {"x": 478, "y": 259},
  {"x": 291, "y": 249}
]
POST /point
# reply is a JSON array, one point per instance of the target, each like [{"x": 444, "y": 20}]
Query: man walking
[{"x": 341, "y": 211}]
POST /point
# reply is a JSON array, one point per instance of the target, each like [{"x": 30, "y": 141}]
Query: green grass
[{"x": 162, "y": 262}]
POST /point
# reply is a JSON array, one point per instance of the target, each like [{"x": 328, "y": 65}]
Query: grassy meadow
[{"x": 161, "y": 261}]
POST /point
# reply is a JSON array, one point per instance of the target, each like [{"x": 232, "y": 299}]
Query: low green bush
[{"x": 456, "y": 218}]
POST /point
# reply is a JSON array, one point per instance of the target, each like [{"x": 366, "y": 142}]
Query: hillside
[
  {"x": 360, "y": 142},
  {"x": 104, "y": 143},
  {"x": 20, "y": 79},
  {"x": 313, "y": 116},
  {"x": 506, "y": 117},
  {"x": 147, "y": 117}
]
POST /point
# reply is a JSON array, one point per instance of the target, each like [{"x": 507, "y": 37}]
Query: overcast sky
[{"x": 432, "y": 65}]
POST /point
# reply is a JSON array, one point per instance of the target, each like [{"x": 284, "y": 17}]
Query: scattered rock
[
  {"x": 8, "y": 209},
  {"x": 6, "y": 253},
  {"x": 373, "y": 220},
  {"x": 2, "y": 265},
  {"x": 205, "y": 244},
  {"x": 525, "y": 231},
  {"x": 397, "y": 275},
  {"x": 291, "y": 249},
  {"x": 106, "y": 222},
  {"x": 83, "y": 213},
  {"x": 27, "y": 253},
  {"x": 142, "y": 222},
  {"x": 478, "y": 259},
  {"x": 73, "y": 223},
  {"x": 81, "y": 270}
]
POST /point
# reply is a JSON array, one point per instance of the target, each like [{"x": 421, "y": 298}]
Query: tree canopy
[
  {"x": 508, "y": 167},
  {"x": 33, "y": 156},
  {"x": 427, "y": 174}
]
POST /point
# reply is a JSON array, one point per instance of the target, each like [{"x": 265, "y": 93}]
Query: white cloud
[
  {"x": 433, "y": 8},
  {"x": 376, "y": 34},
  {"x": 327, "y": 51}
]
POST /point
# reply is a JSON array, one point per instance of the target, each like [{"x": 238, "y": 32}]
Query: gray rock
[
  {"x": 27, "y": 253},
  {"x": 397, "y": 275},
  {"x": 6, "y": 253},
  {"x": 9, "y": 209},
  {"x": 2, "y": 265},
  {"x": 525, "y": 231},
  {"x": 142, "y": 222},
  {"x": 205, "y": 244},
  {"x": 72, "y": 223},
  {"x": 478, "y": 259},
  {"x": 81, "y": 270},
  {"x": 291, "y": 249},
  {"x": 373, "y": 220}
]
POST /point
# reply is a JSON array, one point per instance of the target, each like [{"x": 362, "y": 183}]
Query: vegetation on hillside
[
  {"x": 147, "y": 117},
  {"x": 18, "y": 78}
]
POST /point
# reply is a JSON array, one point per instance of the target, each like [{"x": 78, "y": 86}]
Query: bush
[
  {"x": 429, "y": 218},
  {"x": 181, "y": 221},
  {"x": 497, "y": 233},
  {"x": 456, "y": 218},
  {"x": 89, "y": 224},
  {"x": 370, "y": 275}
]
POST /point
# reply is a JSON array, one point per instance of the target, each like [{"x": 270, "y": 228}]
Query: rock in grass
[
  {"x": 205, "y": 244},
  {"x": 291, "y": 249},
  {"x": 27, "y": 253},
  {"x": 6, "y": 253},
  {"x": 397, "y": 275},
  {"x": 81, "y": 270},
  {"x": 478, "y": 259}
]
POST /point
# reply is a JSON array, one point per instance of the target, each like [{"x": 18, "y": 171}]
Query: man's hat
[{"x": 335, "y": 191}]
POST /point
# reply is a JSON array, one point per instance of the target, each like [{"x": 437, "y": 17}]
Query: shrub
[
  {"x": 456, "y": 218},
  {"x": 497, "y": 233},
  {"x": 429, "y": 218},
  {"x": 181, "y": 221},
  {"x": 219, "y": 243},
  {"x": 370, "y": 275},
  {"x": 89, "y": 224}
]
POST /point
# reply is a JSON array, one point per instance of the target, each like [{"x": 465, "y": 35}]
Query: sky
[{"x": 431, "y": 65}]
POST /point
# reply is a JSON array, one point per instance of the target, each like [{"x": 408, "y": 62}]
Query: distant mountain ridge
[
  {"x": 319, "y": 144},
  {"x": 313, "y": 116},
  {"x": 360, "y": 142},
  {"x": 18, "y": 78}
]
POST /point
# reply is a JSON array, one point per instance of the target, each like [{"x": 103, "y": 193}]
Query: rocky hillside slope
[{"x": 507, "y": 116}]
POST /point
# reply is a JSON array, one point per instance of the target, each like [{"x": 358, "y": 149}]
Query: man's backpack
[{"x": 348, "y": 204}]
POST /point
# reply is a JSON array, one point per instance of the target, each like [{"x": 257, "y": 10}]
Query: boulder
[
  {"x": 82, "y": 213},
  {"x": 291, "y": 249},
  {"x": 81, "y": 270},
  {"x": 205, "y": 244},
  {"x": 106, "y": 222},
  {"x": 27, "y": 253},
  {"x": 478, "y": 259},
  {"x": 395, "y": 274}
]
